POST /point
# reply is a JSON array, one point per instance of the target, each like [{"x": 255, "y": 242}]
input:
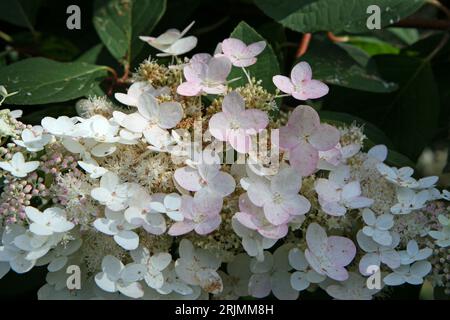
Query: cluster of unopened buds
[{"x": 309, "y": 220}]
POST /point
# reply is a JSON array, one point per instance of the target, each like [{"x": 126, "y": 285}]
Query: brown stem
[
  {"x": 424, "y": 24},
  {"x": 335, "y": 38},
  {"x": 304, "y": 45}
]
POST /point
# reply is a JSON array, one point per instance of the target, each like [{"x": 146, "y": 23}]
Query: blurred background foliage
[{"x": 395, "y": 82}]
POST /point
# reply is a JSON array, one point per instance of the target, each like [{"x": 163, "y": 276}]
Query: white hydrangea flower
[
  {"x": 22, "y": 248},
  {"x": 154, "y": 265},
  {"x": 272, "y": 275},
  {"x": 401, "y": 177},
  {"x": 238, "y": 271},
  {"x": 198, "y": 267},
  {"x": 171, "y": 42},
  {"x": 115, "y": 277},
  {"x": 153, "y": 119},
  {"x": 412, "y": 274},
  {"x": 354, "y": 288},
  {"x": 114, "y": 224},
  {"x": 413, "y": 254},
  {"x": 168, "y": 204},
  {"x": 131, "y": 98},
  {"x": 442, "y": 237},
  {"x": 49, "y": 222},
  {"x": 18, "y": 167},
  {"x": 100, "y": 129},
  {"x": 304, "y": 275},
  {"x": 111, "y": 193},
  {"x": 337, "y": 194},
  {"x": 376, "y": 253},
  {"x": 174, "y": 287},
  {"x": 409, "y": 200},
  {"x": 34, "y": 139},
  {"x": 140, "y": 213},
  {"x": 62, "y": 126},
  {"x": 378, "y": 227},
  {"x": 92, "y": 168},
  {"x": 280, "y": 197},
  {"x": 252, "y": 242}
]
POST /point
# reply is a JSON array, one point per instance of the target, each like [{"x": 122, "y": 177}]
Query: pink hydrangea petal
[
  {"x": 325, "y": 137},
  {"x": 243, "y": 62},
  {"x": 214, "y": 89},
  {"x": 189, "y": 89},
  {"x": 201, "y": 57},
  {"x": 288, "y": 137},
  {"x": 287, "y": 181},
  {"x": 332, "y": 208},
  {"x": 188, "y": 178},
  {"x": 301, "y": 72},
  {"x": 239, "y": 140},
  {"x": 340, "y": 250},
  {"x": 245, "y": 205},
  {"x": 258, "y": 193},
  {"x": 223, "y": 184},
  {"x": 180, "y": 228},
  {"x": 233, "y": 46},
  {"x": 255, "y": 48},
  {"x": 195, "y": 71},
  {"x": 260, "y": 285},
  {"x": 253, "y": 120},
  {"x": 233, "y": 104},
  {"x": 219, "y": 125},
  {"x": 296, "y": 205},
  {"x": 274, "y": 232},
  {"x": 304, "y": 119},
  {"x": 208, "y": 226},
  {"x": 316, "y": 238},
  {"x": 351, "y": 190},
  {"x": 275, "y": 213},
  {"x": 207, "y": 202},
  {"x": 304, "y": 158},
  {"x": 327, "y": 190},
  {"x": 284, "y": 84},
  {"x": 246, "y": 219},
  {"x": 315, "y": 89},
  {"x": 218, "y": 69}
]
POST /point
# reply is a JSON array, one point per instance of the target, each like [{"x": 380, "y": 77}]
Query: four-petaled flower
[
  {"x": 304, "y": 136},
  {"x": 301, "y": 85},
  {"x": 237, "y": 125}
]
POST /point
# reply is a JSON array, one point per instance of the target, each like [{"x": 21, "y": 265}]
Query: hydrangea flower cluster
[{"x": 147, "y": 212}]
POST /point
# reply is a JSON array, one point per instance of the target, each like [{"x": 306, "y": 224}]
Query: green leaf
[
  {"x": 373, "y": 46},
  {"x": 91, "y": 55},
  {"x": 334, "y": 65},
  {"x": 119, "y": 23},
  {"x": 21, "y": 13},
  {"x": 41, "y": 81},
  {"x": 413, "y": 114},
  {"x": 335, "y": 15},
  {"x": 267, "y": 65}
]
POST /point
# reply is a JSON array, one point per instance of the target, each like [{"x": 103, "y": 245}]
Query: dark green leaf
[
  {"x": 335, "y": 15},
  {"x": 41, "y": 81},
  {"x": 413, "y": 113},
  {"x": 21, "y": 13},
  {"x": 267, "y": 65},
  {"x": 119, "y": 23},
  {"x": 91, "y": 55},
  {"x": 373, "y": 46},
  {"x": 334, "y": 65}
]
